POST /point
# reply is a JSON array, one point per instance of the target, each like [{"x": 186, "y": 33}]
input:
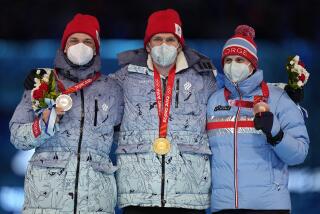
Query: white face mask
[
  {"x": 80, "y": 54},
  {"x": 235, "y": 71},
  {"x": 164, "y": 55}
]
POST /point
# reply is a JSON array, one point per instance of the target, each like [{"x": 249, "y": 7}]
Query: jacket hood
[
  {"x": 140, "y": 56},
  {"x": 75, "y": 72}
]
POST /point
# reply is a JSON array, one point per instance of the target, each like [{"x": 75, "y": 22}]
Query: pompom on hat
[
  {"x": 82, "y": 23},
  {"x": 242, "y": 44},
  {"x": 164, "y": 21}
]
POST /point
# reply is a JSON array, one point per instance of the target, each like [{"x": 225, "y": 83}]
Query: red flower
[
  {"x": 302, "y": 77},
  {"x": 39, "y": 93},
  {"x": 44, "y": 87}
]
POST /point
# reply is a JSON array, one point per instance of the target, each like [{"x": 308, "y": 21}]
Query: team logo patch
[
  {"x": 105, "y": 107},
  {"x": 222, "y": 108},
  {"x": 178, "y": 30},
  {"x": 187, "y": 86}
]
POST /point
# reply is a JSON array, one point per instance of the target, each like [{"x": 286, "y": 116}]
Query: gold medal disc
[{"x": 161, "y": 146}]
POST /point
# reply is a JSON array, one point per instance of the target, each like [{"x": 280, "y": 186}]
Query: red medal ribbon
[
  {"x": 78, "y": 86},
  {"x": 164, "y": 110},
  {"x": 36, "y": 130},
  {"x": 248, "y": 104}
]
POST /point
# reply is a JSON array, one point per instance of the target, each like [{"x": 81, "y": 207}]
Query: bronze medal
[
  {"x": 260, "y": 107},
  {"x": 64, "y": 101}
]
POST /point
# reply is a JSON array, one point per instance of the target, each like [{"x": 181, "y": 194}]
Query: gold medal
[
  {"x": 161, "y": 146},
  {"x": 64, "y": 101}
]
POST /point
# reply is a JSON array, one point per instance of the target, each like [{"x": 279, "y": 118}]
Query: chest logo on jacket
[
  {"x": 187, "y": 86},
  {"x": 105, "y": 107},
  {"x": 187, "y": 89},
  {"x": 222, "y": 108}
]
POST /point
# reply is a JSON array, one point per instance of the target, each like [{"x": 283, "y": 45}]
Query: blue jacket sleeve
[
  {"x": 20, "y": 125},
  {"x": 293, "y": 148}
]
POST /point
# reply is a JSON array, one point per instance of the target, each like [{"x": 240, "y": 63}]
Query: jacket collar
[
  {"x": 181, "y": 63},
  {"x": 247, "y": 87},
  {"x": 73, "y": 72},
  {"x": 139, "y": 57}
]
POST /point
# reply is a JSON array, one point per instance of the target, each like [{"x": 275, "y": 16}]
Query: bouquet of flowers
[
  {"x": 298, "y": 75},
  {"x": 44, "y": 91}
]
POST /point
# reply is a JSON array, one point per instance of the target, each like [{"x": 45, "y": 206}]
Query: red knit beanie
[
  {"x": 242, "y": 44},
  {"x": 82, "y": 23},
  {"x": 164, "y": 21}
]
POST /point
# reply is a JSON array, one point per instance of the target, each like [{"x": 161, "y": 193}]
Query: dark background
[{"x": 30, "y": 32}]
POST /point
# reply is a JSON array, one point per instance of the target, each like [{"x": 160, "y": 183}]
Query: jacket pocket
[
  {"x": 189, "y": 99},
  {"x": 194, "y": 175},
  {"x": 45, "y": 182},
  {"x": 100, "y": 110},
  {"x": 50, "y": 160},
  {"x": 194, "y": 149},
  {"x": 102, "y": 191},
  {"x": 104, "y": 167},
  {"x": 177, "y": 93},
  {"x": 131, "y": 142},
  {"x": 133, "y": 148}
]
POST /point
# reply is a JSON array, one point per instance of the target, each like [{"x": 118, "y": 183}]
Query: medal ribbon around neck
[
  {"x": 248, "y": 104},
  {"x": 82, "y": 84},
  {"x": 164, "y": 110},
  {"x": 52, "y": 126}
]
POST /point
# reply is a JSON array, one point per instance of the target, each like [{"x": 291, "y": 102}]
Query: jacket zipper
[
  {"x": 96, "y": 109},
  {"x": 177, "y": 94},
  {"x": 78, "y": 153},
  {"x": 163, "y": 157},
  {"x": 235, "y": 137}
]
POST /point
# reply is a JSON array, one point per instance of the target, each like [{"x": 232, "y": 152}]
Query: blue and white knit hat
[{"x": 242, "y": 44}]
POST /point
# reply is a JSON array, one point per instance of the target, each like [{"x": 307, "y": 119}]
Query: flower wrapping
[
  {"x": 297, "y": 74},
  {"x": 43, "y": 96},
  {"x": 44, "y": 90}
]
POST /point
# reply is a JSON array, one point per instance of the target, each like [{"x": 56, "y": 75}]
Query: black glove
[
  {"x": 264, "y": 121},
  {"x": 29, "y": 80},
  {"x": 295, "y": 94}
]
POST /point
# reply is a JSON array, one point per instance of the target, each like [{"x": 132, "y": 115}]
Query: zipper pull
[
  {"x": 96, "y": 109},
  {"x": 177, "y": 94}
]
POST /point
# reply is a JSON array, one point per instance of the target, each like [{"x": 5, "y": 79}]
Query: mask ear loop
[
  {"x": 253, "y": 70},
  {"x": 148, "y": 47},
  {"x": 179, "y": 48}
]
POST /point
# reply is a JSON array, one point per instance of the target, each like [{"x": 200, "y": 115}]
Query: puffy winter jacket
[
  {"x": 248, "y": 172},
  {"x": 71, "y": 172},
  {"x": 183, "y": 178}
]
